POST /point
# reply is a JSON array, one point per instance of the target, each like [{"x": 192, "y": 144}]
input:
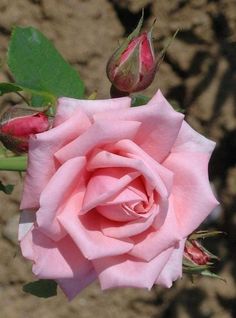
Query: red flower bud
[
  {"x": 196, "y": 253},
  {"x": 197, "y": 260},
  {"x": 17, "y": 124},
  {"x": 133, "y": 65}
]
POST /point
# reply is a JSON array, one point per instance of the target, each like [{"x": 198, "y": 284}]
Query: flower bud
[
  {"x": 133, "y": 65},
  {"x": 17, "y": 124},
  {"x": 196, "y": 253},
  {"x": 197, "y": 260}
]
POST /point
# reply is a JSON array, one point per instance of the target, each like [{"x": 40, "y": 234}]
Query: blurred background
[{"x": 199, "y": 75}]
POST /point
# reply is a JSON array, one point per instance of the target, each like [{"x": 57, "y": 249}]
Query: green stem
[{"x": 13, "y": 163}]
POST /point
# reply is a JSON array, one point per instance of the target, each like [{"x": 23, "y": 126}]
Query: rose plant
[{"x": 112, "y": 192}]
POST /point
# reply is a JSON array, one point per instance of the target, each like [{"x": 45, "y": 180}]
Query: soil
[{"x": 198, "y": 74}]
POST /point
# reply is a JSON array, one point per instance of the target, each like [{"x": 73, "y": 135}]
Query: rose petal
[
  {"x": 98, "y": 134},
  {"x": 87, "y": 235},
  {"x": 73, "y": 286},
  {"x": 193, "y": 199},
  {"x": 127, "y": 271},
  {"x": 58, "y": 260},
  {"x": 128, "y": 229},
  {"x": 150, "y": 244},
  {"x": 26, "y": 245},
  {"x": 160, "y": 124},
  {"x": 104, "y": 187},
  {"x": 41, "y": 162},
  {"x": 105, "y": 159},
  {"x": 66, "y": 107},
  {"x": 54, "y": 196},
  {"x": 189, "y": 140},
  {"x": 132, "y": 150},
  {"x": 133, "y": 193},
  {"x": 116, "y": 213},
  {"x": 173, "y": 268}
]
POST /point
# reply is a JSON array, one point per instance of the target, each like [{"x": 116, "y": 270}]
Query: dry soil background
[{"x": 199, "y": 74}]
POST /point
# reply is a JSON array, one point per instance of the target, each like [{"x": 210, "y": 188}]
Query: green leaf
[
  {"x": 138, "y": 100},
  {"x": 210, "y": 274},
  {"x": 43, "y": 288},
  {"x": 44, "y": 98},
  {"x": 40, "y": 100},
  {"x": 9, "y": 88},
  {"x": 6, "y": 188},
  {"x": 204, "y": 234},
  {"x": 193, "y": 268},
  {"x": 40, "y": 69}
]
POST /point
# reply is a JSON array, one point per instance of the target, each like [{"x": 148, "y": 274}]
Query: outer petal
[
  {"x": 160, "y": 125},
  {"x": 42, "y": 164},
  {"x": 53, "y": 199},
  {"x": 190, "y": 140},
  {"x": 173, "y": 268},
  {"x": 26, "y": 245},
  {"x": 73, "y": 286},
  {"x": 67, "y": 106},
  {"x": 193, "y": 199},
  {"x": 58, "y": 260},
  {"x": 126, "y": 271},
  {"x": 99, "y": 134}
]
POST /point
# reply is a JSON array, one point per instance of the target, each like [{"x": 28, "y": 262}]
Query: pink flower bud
[
  {"x": 133, "y": 65},
  {"x": 196, "y": 253},
  {"x": 16, "y": 126}
]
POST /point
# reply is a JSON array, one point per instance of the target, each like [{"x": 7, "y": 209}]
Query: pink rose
[{"x": 111, "y": 192}]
